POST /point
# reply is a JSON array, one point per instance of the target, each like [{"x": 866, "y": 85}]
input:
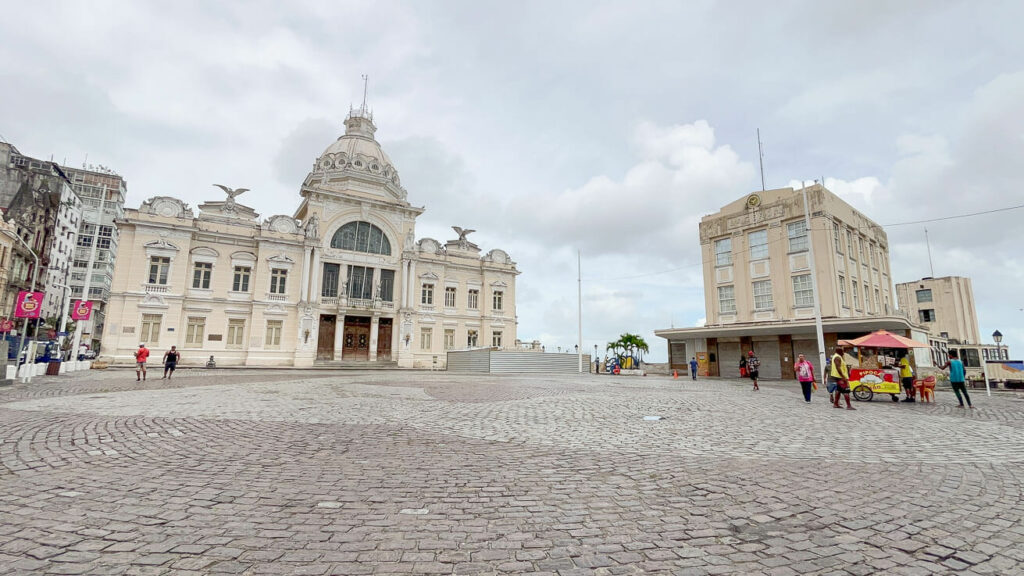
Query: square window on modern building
[
  {"x": 924, "y": 295},
  {"x": 758, "y": 242},
  {"x": 727, "y": 299},
  {"x": 723, "y": 252},
  {"x": 763, "y": 295},
  {"x": 926, "y": 315},
  {"x": 797, "y": 233},
  {"x": 803, "y": 293}
]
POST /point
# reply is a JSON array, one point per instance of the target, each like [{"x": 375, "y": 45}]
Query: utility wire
[
  {"x": 939, "y": 219},
  {"x": 993, "y": 211}
]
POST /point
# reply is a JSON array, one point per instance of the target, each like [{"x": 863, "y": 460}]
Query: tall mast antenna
[
  {"x": 760, "y": 157},
  {"x": 366, "y": 81},
  {"x": 929, "y": 246}
]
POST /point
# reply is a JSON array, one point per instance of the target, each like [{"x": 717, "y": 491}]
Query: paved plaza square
[{"x": 316, "y": 472}]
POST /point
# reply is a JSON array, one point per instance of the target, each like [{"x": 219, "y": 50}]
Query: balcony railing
[
  {"x": 277, "y": 297},
  {"x": 156, "y": 288}
]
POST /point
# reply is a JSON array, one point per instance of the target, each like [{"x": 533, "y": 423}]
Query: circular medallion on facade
[{"x": 753, "y": 201}]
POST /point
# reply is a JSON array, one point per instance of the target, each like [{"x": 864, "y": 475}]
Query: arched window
[{"x": 361, "y": 237}]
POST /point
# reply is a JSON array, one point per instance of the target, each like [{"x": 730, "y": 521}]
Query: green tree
[{"x": 628, "y": 346}]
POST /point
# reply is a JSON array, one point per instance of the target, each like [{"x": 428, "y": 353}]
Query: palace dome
[{"x": 357, "y": 151}]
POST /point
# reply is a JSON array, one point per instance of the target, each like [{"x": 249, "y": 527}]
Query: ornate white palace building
[{"x": 343, "y": 280}]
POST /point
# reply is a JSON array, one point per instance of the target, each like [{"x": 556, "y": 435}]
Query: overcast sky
[{"x": 608, "y": 127}]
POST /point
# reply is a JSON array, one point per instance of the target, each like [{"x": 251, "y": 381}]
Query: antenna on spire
[
  {"x": 366, "y": 82},
  {"x": 760, "y": 157}
]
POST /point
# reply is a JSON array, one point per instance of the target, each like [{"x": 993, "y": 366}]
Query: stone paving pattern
[{"x": 292, "y": 472}]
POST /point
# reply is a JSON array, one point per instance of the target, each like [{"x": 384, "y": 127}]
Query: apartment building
[{"x": 758, "y": 286}]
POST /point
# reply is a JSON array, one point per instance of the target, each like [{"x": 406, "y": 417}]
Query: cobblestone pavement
[{"x": 291, "y": 472}]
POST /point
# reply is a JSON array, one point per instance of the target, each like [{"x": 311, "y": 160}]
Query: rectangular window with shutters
[
  {"x": 496, "y": 339},
  {"x": 726, "y": 299},
  {"x": 201, "y": 273},
  {"x": 758, "y": 242},
  {"x": 387, "y": 285},
  {"x": 842, "y": 292},
  {"x": 849, "y": 245},
  {"x": 278, "y": 278},
  {"x": 837, "y": 238},
  {"x": 427, "y": 294},
  {"x": 797, "y": 232},
  {"x": 867, "y": 298},
  {"x": 926, "y": 315},
  {"x": 159, "y": 266},
  {"x": 498, "y": 299},
  {"x": 471, "y": 338},
  {"x": 329, "y": 286},
  {"x": 150, "y": 331},
  {"x": 723, "y": 252},
  {"x": 449, "y": 297},
  {"x": 473, "y": 301},
  {"x": 236, "y": 333},
  {"x": 449, "y": 339},
  {"x": 426, "y": 337},
  {"x": 274, "y": 328},
  {"x": 856, "y": 295},
  {"x": 360, "y": 282},
  {"x": 803, "y": 293},
  {"x": 194, "y": 331},
  {"x": 763, "y": 295},
  {"x": 878, "y": 302},
  {"x": 241, "y": 280}
]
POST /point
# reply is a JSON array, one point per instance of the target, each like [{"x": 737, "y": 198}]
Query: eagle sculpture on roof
[
  {"x": 462, "y": 232},
  {"x": 231, "y": 192}
]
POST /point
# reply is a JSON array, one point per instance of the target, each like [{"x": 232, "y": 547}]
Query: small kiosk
[{"x": 876, "y": 371}]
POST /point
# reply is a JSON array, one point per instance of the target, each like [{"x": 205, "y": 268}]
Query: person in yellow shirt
[
  {"x": 906, "y": 378},
  {"x": 840, "y": 376}
]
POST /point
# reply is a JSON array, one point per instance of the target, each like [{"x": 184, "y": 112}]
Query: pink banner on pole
[
  {"x": 28, "y": 305},
  {"x": 81, "y": 310}
]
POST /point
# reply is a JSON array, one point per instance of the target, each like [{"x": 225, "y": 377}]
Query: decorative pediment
[
  {"x": 152, "y": 301},
  {"x": 499, "y": 284},
  {"x": 275, "y": 310},
  {"x": 498, "y": 257},
  {"x": 167, "y": 207},
  {"x": 282, "y": 224},
  {"x": 429, "y": 276},
  {"x": 280, "y": 261},
  {"x": 430, "y": 246},
  {"x": 243, "y": 259},
  {"x": 204, "y": 254},
  {"x": 161, "y": 247}
]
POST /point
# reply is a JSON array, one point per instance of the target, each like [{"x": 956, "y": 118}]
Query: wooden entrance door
[
  {"x": 356, "y": 342},
  {"x": 325, "y": 340},
  {"x": 384, "y": 340}
]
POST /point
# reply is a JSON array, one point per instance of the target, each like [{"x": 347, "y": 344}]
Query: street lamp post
[
  {"x": 998, "y": 337},
  {"x": 21, "y": 343},
  {"x": 597, "y": 362}
]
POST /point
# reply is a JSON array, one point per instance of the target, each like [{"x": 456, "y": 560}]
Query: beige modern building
[
  {"x": 758, "y": 282},
  {"x": 945, "y": 306},
  {"x": 343, "y": 279}
]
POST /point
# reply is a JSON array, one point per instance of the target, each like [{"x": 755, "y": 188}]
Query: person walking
[
  {"x": 171, "y": 358},
  {"x": 957, "y": 378},
  {"x": 693, "y": 367},
  {"x": 141, "y": 355},
  {"x": 907, "y": 378},
  {"x": 752, "y": 365},
  {"x": 840, "y": 376},
  {"x": 743, "y": 366},
  {"x": 805, "y": 375}
]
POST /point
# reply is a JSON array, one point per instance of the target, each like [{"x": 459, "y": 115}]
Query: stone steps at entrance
[{"x": 356, "y": 364}]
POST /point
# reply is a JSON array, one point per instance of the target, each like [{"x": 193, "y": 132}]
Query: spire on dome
[{"x": 360, "y": 120}]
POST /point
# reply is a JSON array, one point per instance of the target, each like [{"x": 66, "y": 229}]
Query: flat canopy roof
[{"x": 790, "y": 327}]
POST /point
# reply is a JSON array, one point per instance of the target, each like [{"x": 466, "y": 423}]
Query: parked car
[{"x": 87, "y": 355}]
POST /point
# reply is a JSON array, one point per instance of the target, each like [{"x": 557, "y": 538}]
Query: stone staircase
[{"x": 356, "y": 364}]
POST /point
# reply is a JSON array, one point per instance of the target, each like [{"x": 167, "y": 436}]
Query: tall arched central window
[{"x": 361, "y": 237}]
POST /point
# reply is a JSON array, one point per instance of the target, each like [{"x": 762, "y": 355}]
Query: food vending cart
[{"x": 872, "y": 375}]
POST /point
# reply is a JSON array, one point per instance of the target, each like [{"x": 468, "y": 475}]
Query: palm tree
[{"x": 629, "y": 346}]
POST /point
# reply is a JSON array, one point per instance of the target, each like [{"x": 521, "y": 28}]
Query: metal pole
[
  {"x": 77, "y": 341},
  {"x": 579, "y": 310},
  {"x": 984, "y": 366},
  {"x": 814, "y": 285},
  {"x": 21, "y": 343}
]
